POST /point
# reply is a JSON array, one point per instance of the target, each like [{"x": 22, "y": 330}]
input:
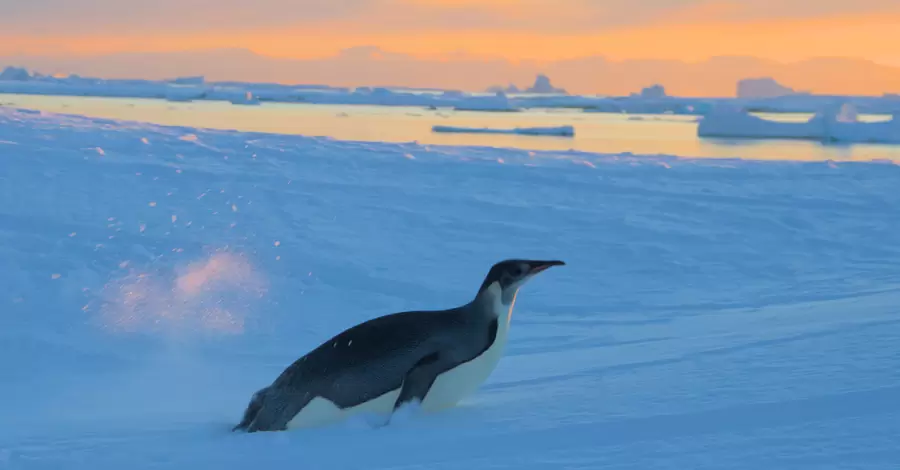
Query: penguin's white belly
[
  {"x": 321, "y": 411},
  {"x": 455, "y": 384},
  {"x": 448, "y": 389}
]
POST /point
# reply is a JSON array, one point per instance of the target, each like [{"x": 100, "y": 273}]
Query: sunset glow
[{"x": 537, "y": 30}]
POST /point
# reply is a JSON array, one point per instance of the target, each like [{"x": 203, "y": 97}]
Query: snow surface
[
  {"x": 713, "y": 314},
  {"x": 558, "y": 131},
  {"x": 835, "y": 124}
]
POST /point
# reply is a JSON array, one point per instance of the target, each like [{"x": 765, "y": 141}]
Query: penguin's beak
[{"x": 538, "y": 266}]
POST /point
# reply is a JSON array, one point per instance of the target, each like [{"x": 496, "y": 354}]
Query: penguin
[{"x": 431, "y": 359}]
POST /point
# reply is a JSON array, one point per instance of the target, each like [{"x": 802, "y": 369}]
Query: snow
[
  {"x": 559, "y": 131},
  {"x": 831, "y": 125},
  {"x": 713, "y": 314}
]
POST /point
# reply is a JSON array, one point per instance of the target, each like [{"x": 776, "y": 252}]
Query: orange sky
[
  {"x": 545, "y": 30},
  {"x": 523, "y": 29}
]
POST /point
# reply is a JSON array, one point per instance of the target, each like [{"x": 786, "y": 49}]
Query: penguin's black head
[{"x": 512, "y": 273}]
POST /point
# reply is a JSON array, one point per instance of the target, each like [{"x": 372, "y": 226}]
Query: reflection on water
[{"x": 594, "y": 132}]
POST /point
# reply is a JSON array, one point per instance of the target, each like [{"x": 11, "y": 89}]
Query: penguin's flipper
[{"x": 419, "y": 380}]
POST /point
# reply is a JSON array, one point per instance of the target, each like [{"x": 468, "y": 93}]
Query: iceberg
[
  {"x": 559, "y": 131},
  {"x": 833, "y": 124}
]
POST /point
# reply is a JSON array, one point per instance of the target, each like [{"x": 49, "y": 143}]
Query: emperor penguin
[{"x": 432, "y": 358}]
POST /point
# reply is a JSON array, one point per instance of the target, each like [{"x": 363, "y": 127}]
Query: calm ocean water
[{"x": 594, "y": 132}]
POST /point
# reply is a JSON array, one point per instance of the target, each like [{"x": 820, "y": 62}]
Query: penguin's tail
[{"x": 253, "y": 408}]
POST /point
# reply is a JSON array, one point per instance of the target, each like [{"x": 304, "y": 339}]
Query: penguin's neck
[{"x": 492, "y": 302}]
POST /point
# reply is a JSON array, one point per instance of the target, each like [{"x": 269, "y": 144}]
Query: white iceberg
[
  {"x": 18, "y": 74},
  {"x": 764, "y": 87},
  {"x": 542, "y": 85},
  {"x": 559, "y": 131},
  {"x": 499, "y": 102},
  {"x": 185, "y": 92},
  {"x": 829, "y": 125}
]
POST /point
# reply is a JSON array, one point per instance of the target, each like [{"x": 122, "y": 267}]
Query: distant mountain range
[{"x": 371, "y": 66}]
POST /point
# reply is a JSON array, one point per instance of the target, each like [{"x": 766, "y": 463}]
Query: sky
[{"x": 514, "y": 30}]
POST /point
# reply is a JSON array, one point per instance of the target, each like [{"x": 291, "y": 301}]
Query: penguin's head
[{"x": 509, "y": 275}]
